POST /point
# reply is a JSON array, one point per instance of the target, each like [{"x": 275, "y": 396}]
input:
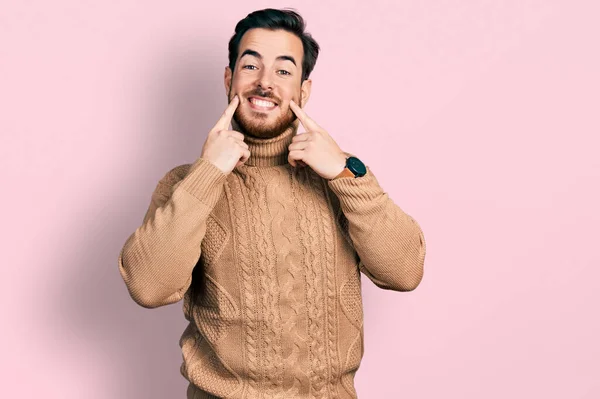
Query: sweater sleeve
[
  {"x": 388, "y": 241},
  {"x": 157, "y": 260}
]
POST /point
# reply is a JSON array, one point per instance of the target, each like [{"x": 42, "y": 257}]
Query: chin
[
  {"x": 263, "y": 133},
  {"x": 260, "y": 127}
]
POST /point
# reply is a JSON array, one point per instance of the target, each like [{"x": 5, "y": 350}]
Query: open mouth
[{"x": 260, "y": 104}]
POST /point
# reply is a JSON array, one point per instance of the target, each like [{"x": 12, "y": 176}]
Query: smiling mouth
[{"x": 261, "y": 105}]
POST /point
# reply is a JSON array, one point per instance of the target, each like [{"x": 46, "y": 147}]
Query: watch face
[{"x": 356, "y": 166}]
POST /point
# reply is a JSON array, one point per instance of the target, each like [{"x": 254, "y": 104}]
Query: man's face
[{"x": 268, "y": 68}]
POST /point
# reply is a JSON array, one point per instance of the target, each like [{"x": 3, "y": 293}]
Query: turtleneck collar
[{"x": 269, "y": 152}]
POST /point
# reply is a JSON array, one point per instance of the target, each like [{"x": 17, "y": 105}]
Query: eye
[
  {"x": 286, "y": 72},
  {"x": 252, "y": 66}
]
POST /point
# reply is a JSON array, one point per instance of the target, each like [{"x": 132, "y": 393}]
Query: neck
[{"x": 270, "y": 152}]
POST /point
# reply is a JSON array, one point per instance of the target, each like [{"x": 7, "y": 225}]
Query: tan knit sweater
[{"x": 282, "y": 250}]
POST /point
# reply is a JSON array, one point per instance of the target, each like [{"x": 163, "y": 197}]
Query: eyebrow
[{"x": 259, "y": 56}]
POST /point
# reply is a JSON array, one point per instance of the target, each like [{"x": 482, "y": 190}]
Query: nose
[{"x": 264, "y": 80}]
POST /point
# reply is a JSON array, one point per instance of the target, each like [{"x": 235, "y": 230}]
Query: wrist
[
  {"x": 342, "y": 168},
  {"x": 344, "y": 173},
  {"x": 353, "y": 167}
]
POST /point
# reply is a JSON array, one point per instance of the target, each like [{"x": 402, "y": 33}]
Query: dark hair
[{"x": 273, "y": 19}]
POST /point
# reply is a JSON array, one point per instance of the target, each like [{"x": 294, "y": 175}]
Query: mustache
[{"x": 262, "y": 94}]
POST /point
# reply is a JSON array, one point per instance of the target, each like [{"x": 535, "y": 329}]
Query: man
[{"x": 264, "y": 236}]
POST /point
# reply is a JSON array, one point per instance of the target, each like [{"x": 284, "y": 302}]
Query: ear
[
  {"x": 305, "y": 92},
  {"x": 227, "y": 79}
]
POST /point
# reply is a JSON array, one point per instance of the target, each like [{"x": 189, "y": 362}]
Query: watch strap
[{"x": 345, "y": 173}]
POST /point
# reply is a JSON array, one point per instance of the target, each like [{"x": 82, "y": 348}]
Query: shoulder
[
  {"x": 175, "y": 175},
  {"x": 170, "y": 180}
]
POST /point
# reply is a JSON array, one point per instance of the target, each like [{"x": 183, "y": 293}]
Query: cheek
[
  {"x": 290, "y": 94},
  {"x": 240, "y": 84}
]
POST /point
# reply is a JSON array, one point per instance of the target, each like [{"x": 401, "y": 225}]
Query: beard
[{"x": 259, "y": 124}]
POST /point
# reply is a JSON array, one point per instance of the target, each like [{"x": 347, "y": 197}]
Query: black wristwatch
[{"x": 354, "y": 168}]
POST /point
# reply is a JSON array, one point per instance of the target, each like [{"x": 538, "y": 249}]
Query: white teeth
[{"x": 262, "y": 103}]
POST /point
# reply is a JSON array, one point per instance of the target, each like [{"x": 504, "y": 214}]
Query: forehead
[{"x": 272, "y": 43}]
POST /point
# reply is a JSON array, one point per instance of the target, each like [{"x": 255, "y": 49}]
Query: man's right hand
[{"x": 225, "y": 148}]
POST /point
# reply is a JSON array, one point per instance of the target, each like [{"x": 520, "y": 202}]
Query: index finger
[
  {"x": 225, "y": 119},
  {"x": 306, "y": 121}
]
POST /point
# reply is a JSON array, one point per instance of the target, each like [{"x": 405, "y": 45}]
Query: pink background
[{"x": 479, "y": 118}]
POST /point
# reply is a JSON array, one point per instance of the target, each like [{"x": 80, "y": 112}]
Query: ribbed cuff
[
  {"x": 204, "y": 181},
  {"x": 354, "y": 192}
]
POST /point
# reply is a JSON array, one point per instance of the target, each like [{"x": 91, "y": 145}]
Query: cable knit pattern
[
  {"x": 315, "y": 295},
  {"x": 349, "y": 292},
  {"x": 291, "y": 378},
  {"x": 214, "y": 241},
  {"x": 249, "y": 296},
  {"x": 343, "y": 225},
  {"x": 328, "y": 251},
  {"x": 353, "y": 359},
  {"x": 350, "y": 298},
  {"x": 216, "y": 311},
  {"x": 271, "y": 322},
  {"x": 282, "y": 251}
]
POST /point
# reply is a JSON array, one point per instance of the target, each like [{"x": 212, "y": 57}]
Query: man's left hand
[{"x": 315, "y": 147}]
